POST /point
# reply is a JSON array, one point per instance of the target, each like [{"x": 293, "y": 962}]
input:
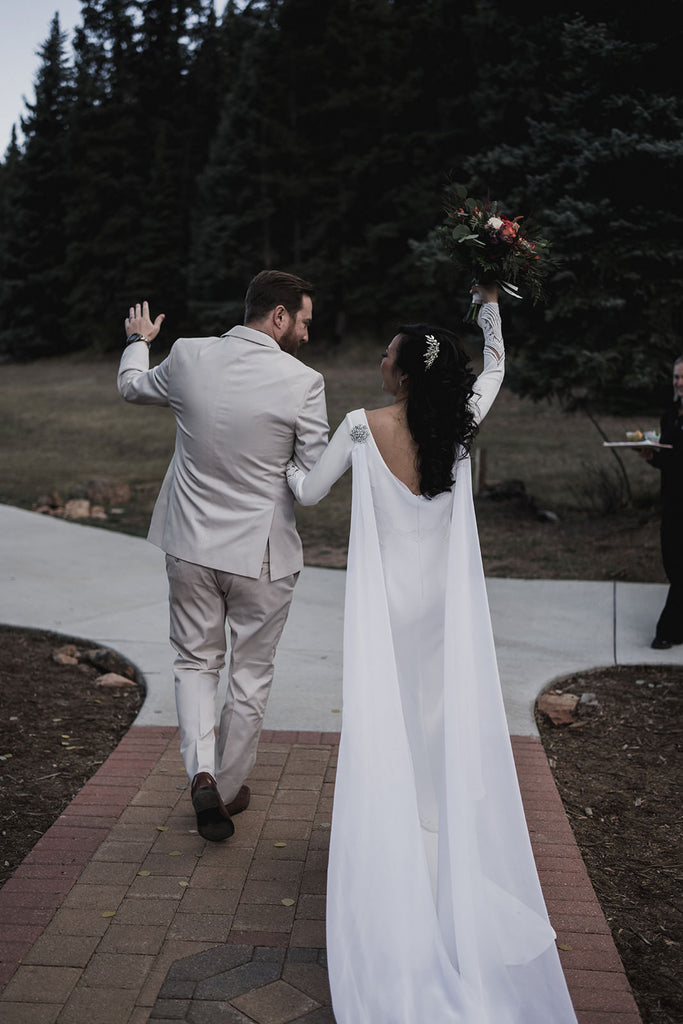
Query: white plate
[{"x": 635, "y": 444}]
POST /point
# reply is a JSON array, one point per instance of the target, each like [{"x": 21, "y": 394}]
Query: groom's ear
[{"x": 279, "y": 319}]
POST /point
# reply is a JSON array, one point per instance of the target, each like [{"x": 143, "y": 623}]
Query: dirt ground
[
  {"x": 57, "y": 726},
  {"x": 615, "y": 765}
]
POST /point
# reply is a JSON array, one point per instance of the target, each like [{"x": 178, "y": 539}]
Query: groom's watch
[{"x": 137, "y": 337}]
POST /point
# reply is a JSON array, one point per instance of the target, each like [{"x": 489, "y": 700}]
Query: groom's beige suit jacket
[{"x": 243, "y": 408}]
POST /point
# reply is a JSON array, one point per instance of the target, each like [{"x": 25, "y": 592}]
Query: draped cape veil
[{"x": 434, "y": 908}]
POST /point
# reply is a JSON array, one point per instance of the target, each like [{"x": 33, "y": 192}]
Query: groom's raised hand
[{"x": 139, "y": 321}]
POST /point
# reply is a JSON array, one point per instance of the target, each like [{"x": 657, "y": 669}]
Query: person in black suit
[{"x": 669, "y": 462}]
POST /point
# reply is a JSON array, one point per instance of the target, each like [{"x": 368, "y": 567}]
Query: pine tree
[
  {"x": 598, "y": 164},
  {"x": 12, "y": 266},
  {"x": 142, "y": 141},
  {"x": 232, "y": 236},
  {"x": 381, "y": 107},
  {"x": 337, "y": 133},
  {"x": 36, "y": 193},
  {"x": 110, "y": 160},
  {"x": 178, "y": 83}
]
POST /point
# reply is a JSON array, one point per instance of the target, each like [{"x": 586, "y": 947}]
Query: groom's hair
[{"x": 273, "y": 288}]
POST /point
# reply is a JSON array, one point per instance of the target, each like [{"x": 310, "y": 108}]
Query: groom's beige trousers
[{"x": 201, "y": 601}]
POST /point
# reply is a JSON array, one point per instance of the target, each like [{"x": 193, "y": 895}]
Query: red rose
[{"x": 508, "y": 229}]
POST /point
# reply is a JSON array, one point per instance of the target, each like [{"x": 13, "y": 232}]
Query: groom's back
[
  {"x": 236, "y": 405},
  {"x": 241, "y": 409}
]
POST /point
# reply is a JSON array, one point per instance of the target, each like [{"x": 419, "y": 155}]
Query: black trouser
[{"x": 670, "y": 624}]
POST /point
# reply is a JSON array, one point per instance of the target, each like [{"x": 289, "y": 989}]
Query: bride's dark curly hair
[{"x": 440, "y": 419}]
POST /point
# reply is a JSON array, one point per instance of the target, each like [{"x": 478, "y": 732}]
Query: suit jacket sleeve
[
  {"x": 311, "y": 426},
  {"x": 136, "y": 382}
]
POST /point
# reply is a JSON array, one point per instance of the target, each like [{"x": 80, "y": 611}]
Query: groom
[{"x": 225, "y": 518}]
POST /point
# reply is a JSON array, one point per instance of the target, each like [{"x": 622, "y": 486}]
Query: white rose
[{"x": 494, "y": 223}]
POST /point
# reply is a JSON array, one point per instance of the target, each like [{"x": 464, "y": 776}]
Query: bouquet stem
[{"x": 472, "y": 313}]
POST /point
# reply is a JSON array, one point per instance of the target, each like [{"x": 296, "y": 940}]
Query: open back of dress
[{"x": 434, "y": 911}]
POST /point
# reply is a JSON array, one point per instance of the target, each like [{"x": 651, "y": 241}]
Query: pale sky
[{"x": 24, "y": 27}]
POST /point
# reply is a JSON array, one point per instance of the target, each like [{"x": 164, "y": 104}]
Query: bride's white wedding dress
[{"x": 434, "y": 910}]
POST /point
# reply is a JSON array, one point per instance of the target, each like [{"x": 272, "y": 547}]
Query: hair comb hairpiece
[{"x": 432, "y": 350}]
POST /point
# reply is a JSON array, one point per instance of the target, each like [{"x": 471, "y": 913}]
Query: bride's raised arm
[
  {"x": 490, "y": 379},
  {"x": 310, "y": 488}
]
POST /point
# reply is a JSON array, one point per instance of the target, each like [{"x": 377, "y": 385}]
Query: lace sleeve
[
  {"x": 490, "y": 379},
  {"x": 490, "y": 323}
]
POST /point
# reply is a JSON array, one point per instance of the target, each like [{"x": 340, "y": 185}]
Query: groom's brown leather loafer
[
  {"x": 241, "y": 801},
  {"x": 213, "y": 818}
]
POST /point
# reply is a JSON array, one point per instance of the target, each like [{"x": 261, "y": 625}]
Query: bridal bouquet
[{"x": 489, "y": 246}]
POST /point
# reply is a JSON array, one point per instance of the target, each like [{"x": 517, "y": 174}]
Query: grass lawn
[{"x": 64, "y": 427}]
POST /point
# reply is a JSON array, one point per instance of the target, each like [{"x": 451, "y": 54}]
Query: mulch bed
[
  {"x": 617, "y": 767},
  {"x": 57, "y": 726},
  {"x": 615, "y": 763}
]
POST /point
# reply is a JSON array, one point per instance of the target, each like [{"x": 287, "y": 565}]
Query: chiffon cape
[{"x": 434, "y": 909}]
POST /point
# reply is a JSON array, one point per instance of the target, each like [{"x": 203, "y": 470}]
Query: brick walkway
[{"x": 121, "y": 914}]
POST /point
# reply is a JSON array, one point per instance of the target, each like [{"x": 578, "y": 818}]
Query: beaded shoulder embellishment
[{"x": 359, "y": 433}]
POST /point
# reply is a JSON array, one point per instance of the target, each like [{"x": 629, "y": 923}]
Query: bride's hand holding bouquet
[{"x": 482, "y": 293}]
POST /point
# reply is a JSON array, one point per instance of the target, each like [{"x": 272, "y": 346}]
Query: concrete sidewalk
[
  {"x": 111, "y": 589},
  {"x": 122, "y": 915}
]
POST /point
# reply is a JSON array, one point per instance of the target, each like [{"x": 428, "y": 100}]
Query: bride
[{"x": 434, "y": 910}]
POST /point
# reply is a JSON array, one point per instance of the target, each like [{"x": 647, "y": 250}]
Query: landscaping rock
[
  {"x": 559, "y": 707},
  {"x": 112, "y": 679},
  {"x": 77, "y": 508}
]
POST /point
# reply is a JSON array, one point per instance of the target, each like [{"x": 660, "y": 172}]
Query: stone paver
[{"x": 129, "y": 916}]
